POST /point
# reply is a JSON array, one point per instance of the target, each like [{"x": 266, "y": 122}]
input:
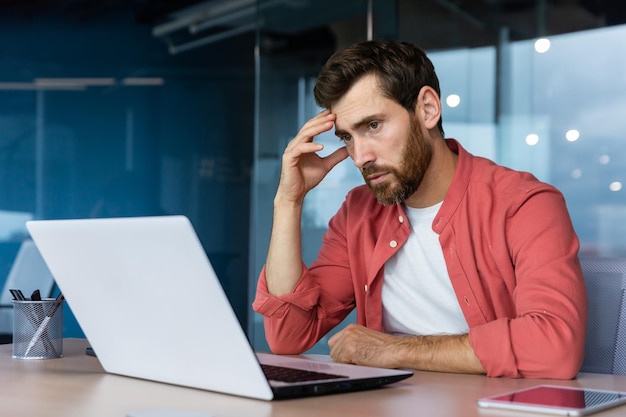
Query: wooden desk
[{"x": 76, "y": 385}]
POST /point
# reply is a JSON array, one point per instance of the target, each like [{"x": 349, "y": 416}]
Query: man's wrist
[{"x": 281, "y": 203}]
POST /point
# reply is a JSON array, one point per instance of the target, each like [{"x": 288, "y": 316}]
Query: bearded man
[{"x": 453, "y": 263}]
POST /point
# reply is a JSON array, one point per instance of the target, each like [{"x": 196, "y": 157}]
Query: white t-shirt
[{"x": 417, "y": 295}]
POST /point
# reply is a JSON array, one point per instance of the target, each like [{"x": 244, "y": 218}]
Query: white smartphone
[{"x": 552, "y": 399}]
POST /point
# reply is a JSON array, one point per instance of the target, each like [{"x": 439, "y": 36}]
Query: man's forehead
[{"x": 361, "y": 100}]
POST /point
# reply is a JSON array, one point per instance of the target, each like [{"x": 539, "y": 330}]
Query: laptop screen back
[{"x": 147, "y": 298}]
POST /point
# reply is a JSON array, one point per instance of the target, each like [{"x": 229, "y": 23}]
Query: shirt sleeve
[
  {"x": 546, "y": 336},
  {"x": 323, "y": 297}
]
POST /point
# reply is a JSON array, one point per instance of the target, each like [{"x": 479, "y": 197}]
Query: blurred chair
[
  {"x": 605, "y": 349},
  {"x": 28, "y": 273}
]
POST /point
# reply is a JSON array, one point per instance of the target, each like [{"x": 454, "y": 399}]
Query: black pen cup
[{"x": 38, "y": 329}]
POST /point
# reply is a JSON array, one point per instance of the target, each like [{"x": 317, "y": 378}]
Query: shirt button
[
  {"x": 393, "y": 243},
  {"x": 401, "y": 219},
  {"x": 467, "y": 301}
]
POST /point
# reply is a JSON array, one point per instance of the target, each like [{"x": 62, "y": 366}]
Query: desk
[{"x": 76, "y": 385}]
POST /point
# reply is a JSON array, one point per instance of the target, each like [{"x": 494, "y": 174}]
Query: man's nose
[{"x": 362, "y": 152}]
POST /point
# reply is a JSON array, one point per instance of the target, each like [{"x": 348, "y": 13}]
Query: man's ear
[{"x": 428, "y": 106}]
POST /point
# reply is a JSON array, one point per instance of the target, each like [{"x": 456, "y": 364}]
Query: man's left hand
[
  {"x": 442, "y": 353},
  {"x": 362, "y": 346}
]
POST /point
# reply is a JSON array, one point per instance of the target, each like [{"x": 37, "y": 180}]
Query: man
[{"x": 453, "y": 263}]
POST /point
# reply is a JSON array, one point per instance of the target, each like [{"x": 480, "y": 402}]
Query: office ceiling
[
  {"x": 433, "y": 23},
  {"x": 146, "y": 11}
]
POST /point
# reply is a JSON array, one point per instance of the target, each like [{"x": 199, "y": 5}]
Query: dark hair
[{"x": 402, "y": 69}]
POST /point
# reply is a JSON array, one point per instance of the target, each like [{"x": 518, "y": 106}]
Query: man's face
[
  {"x": 407, "y": 176},
  {"x": 384, "y": 140}
]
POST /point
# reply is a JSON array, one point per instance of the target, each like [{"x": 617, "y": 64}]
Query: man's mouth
[{"x": 377, "y": 178}]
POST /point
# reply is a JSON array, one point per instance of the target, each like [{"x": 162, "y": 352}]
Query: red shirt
[{"x": 511, "y": 254}]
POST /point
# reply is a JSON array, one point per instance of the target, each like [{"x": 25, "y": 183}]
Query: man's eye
[
  {"x": 345, "y": 138},
  {"x": 373, "y": 125}
]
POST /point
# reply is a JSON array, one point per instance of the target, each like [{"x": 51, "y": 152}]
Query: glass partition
[
  {"x": 107, "y": 111},
  {"x": 560, "y": 118},
  {"x": 98, "y": 119},
  {"x": 568, "y": 126}
]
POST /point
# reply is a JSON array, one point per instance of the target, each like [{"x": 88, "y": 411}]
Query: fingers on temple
[{"x": 321, "y": 123}]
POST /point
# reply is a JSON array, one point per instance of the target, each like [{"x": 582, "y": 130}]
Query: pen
[
  {"x": 36, "y": 296},
  {"x": 44, "y": 324},
  {"x": 17, "y": 294}
]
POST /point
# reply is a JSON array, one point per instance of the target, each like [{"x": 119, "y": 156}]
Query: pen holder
[{"x": 38, "y": 329}]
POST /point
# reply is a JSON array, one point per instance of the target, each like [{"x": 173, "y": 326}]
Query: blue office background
[
  {"x": 185, "y": 146},
  {"x": 181, "y": 145}
]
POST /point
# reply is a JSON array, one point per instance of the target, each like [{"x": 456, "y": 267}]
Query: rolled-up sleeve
[
  {"x": 544, "y": 336},
  {"x": 323, "y": 297}
]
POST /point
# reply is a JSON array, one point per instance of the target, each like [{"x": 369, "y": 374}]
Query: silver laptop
[{"x": 148, "y": 300}]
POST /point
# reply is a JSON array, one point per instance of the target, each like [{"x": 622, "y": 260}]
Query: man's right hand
[{"x": 302, "y": 168}]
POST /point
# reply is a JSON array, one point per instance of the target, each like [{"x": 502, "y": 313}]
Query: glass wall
[
  {"x": 560, "y": 119},
  {"x": 99, "y": 119},
  {"x": 552, "y": 108},
  {"x": 111, "y": 113},
  {"x": 573, "y": 98}
]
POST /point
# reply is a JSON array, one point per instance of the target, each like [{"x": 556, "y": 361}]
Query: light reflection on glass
[
  {"x": 453, "y": 100},
  {"x": 572, "y": 135},
  {"x": 532, "y": 139},
  {"x": 542, "y": 45}
]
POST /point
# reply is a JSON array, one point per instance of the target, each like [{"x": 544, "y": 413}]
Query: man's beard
[{"x": 416, "y": 156}]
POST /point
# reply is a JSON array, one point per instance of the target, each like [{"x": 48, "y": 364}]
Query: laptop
[{"x": 151, "y": 306}]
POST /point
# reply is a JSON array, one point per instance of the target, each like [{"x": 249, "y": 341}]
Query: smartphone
[{"x": 559, "y": 400}]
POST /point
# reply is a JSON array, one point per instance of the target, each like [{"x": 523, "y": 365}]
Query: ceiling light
[{"x": 140, "y": 81}]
